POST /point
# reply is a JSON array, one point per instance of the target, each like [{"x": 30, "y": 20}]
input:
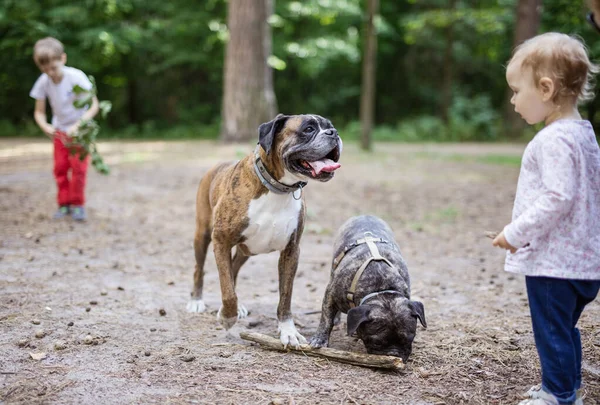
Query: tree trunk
[
  {"x": 369, "y": 68},
  {"x": 448, "y": 70},
  {"x": 527, "y": 24},
  {"x": 248, "y": 96}
]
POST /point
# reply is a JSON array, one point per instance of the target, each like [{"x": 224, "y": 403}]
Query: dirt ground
[{"x": 94, "y": 292}]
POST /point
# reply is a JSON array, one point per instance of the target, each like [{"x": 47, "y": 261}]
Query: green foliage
[
  {"x": 83, "y": 142},
  {"x": 161, "y": 62}
]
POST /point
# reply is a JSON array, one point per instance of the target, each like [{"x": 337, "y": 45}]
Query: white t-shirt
[{"x": 61, "y": 96}]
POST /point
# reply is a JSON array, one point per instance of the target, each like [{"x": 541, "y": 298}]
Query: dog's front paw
[
  {"x": 319, "y": 341},
  {"x": 196, "y": 306},
  {"x": 288, "y": 335},
  {"x": 226, "y": 322}
]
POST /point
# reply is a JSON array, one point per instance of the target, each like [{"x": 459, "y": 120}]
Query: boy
[
  {"x": 56, "y": 84},
  {"x": 554, "y": 236}
]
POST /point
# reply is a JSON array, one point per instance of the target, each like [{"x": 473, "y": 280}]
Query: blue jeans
[{"x": 555, "y": 306}]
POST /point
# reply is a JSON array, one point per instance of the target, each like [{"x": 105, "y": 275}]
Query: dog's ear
[
  {"x": 268, "y": 131},
  {"x": 356, "y": 316},
  {"x": 418, "y": 310}
]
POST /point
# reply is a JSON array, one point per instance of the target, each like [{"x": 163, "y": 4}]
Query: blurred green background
[{"x": 161, "y": 63}]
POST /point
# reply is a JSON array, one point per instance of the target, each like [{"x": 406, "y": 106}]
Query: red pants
[{"x": 70, "y": 191}]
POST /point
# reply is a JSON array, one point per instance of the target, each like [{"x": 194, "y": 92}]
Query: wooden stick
[
  {"x": 491, "y": 234},
  {"x": 357, "y": 359}
]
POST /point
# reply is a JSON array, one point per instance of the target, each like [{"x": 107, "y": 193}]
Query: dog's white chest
[{"x": 272, "y": 220}]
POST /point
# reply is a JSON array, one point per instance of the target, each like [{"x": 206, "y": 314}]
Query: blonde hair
[
  {"x": 562, "y": 58},
  {"x": 47, "y": 50}
]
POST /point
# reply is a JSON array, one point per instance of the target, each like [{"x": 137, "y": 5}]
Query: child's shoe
[
  {"x": 78, "y": 213},
  {"x": 543, "y": 398},
  {"x": 62, "y": 212},
  {"x": 579, "y": 400},
  {"x": 536, "y": 393}
]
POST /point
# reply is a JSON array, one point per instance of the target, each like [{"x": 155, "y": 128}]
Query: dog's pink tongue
[{"x": 324, "y": 165}]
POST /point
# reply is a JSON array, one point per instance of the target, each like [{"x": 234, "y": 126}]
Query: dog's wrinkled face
[
  {"x": 387, "y": 325},
  {"x": 308, "y": 144}
]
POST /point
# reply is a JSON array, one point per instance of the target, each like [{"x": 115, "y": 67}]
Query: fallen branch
[{"x": 357, "y": 359}]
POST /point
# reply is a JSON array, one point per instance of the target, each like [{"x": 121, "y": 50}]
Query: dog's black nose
[{"x": 331, "y": 132}]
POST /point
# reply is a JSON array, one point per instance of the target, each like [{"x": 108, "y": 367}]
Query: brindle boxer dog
[
  {"x": 369, "y": 281},
  {"x": 256, "y": 205}
]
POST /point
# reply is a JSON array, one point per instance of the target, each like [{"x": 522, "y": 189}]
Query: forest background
[{"x": 438, "y": 65}]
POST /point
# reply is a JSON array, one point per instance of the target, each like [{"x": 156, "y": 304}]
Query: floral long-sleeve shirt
[{"x": 556, "y": 217}]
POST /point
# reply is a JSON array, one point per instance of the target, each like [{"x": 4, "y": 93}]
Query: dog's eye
[{"x": 309, "y": 130}]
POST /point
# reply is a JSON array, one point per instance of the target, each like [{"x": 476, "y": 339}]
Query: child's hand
[
  {"x": 49, "y": 130},
  {"x": 500, "y": 241}
]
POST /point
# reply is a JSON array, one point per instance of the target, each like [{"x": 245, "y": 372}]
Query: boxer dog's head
[
  {"x": 309, "y": 145},
  {"x": 387, "y": 324}
]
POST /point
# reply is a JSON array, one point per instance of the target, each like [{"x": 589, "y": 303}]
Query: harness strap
[
  {"x": 339, "y": 257},
  {"x": 375, "y": 256}
]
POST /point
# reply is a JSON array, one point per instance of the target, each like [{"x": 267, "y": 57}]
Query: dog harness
[
  {"x": 270, "y": 182},
  {"x": 375, "y": 256}
]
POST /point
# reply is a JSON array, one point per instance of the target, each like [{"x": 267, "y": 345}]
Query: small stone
[
  {"x": 38, "y": 356},
  {"x": 60, "y": 345},
  {"x": 31, "y": 258},
  {"x": 130, "y": 360},
  {"x": 171, "y": 283},
  {"x": 103, "y": 292},
  {"x": 40, "y": 334},
  {"x": 35, "y": 321},
  {"x": 277, "y": 401},
  {"x": 88, "y": 340},
  {"x": 22, "y": 342},
  {"x": 70, "y": 324},
  {"x": 88, "y": 309},
  {"x": 152, "y": 329},
  {"x": 120, "y": 288},
  {"x": 188, "y": 358},
  {"x": 146, "y": 353},
  {"x": 162, "y": 312},
  {"x": 93, "y": 302}
]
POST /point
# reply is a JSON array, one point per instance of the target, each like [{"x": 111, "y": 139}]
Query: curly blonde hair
[{"x": 563, "y": 59}]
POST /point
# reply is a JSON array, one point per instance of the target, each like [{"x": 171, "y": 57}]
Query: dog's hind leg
[
  {"x": 201, "y": 242},
  {"x": 239, "y": 259},
  {"x": 202, "y": 239}
]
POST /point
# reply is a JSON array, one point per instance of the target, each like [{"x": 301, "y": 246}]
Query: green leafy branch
[{"x": 84, "y": 139}]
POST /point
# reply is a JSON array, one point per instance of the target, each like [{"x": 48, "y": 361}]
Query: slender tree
[
  {"x": 248, "y": 97},
  {"x": 527, "y": 24},
  {"x": 448, "y": 68},
  {"x": 369, "y": 68}
]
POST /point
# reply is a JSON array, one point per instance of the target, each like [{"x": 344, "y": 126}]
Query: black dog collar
[{"x": 269, "y": 181}]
